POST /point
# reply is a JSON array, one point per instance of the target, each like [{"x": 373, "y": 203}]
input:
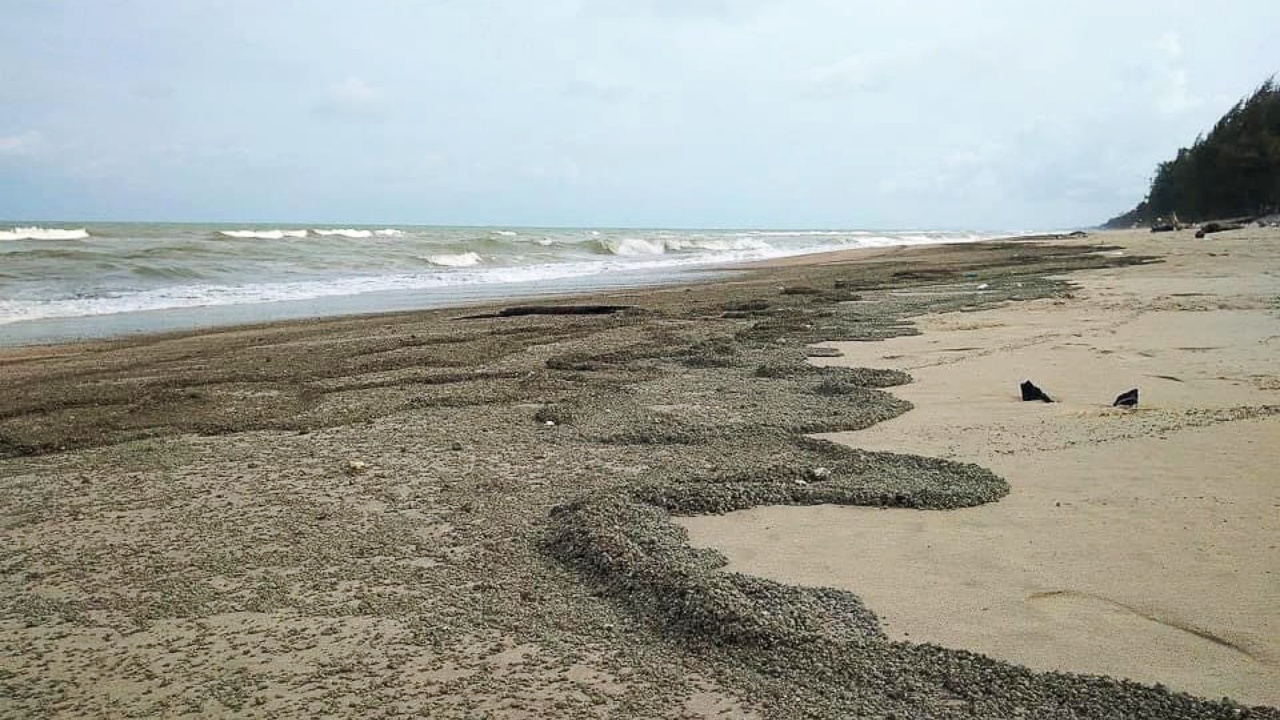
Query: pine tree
[{"x": 1232, "y": 172}]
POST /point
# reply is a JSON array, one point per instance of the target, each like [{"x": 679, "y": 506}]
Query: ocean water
[{"x": 64, "y": 280}]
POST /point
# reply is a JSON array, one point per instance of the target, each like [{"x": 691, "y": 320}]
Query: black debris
[
  {"x": 1127, "y": 399},
  {"x": 521, "y": 310},
  {"x": 1031, "y": 392}
]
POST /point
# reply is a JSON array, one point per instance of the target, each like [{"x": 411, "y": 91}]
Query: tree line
[{"x": 1233, "y": 172}]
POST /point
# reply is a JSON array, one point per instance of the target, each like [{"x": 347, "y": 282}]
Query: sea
[{"x": 63, "y": 281}]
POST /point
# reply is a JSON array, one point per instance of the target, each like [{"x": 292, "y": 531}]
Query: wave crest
[
  {"x": 39, "y": 233},
  {"x": 467, "y": 259},
  {"x": 716, "y": 244},
  {"x": 263, "y": 234},
  {"x": 633, "y": 246},
  {"x": 345, "y": 232},
  {"x": 659, "y": 246}
]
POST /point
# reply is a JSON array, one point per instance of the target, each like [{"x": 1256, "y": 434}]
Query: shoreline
[
  {"x": 141, "y": 323},
  {"x": 165, "y": 277},
  {"x": 203, "y": 318},
  {"x": 400, "y": 511}
]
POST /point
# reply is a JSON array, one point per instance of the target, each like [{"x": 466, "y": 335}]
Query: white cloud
[
  {"x": 1176, "y": 96},
  {"x": 352, "y": 97},
  {"x": 905, "y": 63},
  {"x": 717, "y": 10},
  {"x": 1173, "y": 87},
  {"x": 601, "y": 91},
  {"x": 1170, "y": 45},
  {"x": 22, "y": 144},
  {"x": 960, "y": 173},
  {"x": 849, "y": 74},
  {"x": 560, "y": 168}
]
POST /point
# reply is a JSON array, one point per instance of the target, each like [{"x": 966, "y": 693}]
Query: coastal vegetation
[{"x": 1233, "y": 172}]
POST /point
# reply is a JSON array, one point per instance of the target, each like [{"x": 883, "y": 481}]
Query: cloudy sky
[{"x": 985, "y": 114}]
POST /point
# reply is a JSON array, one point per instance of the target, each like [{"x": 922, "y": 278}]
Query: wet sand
[{"x": 1137, "y": 543}]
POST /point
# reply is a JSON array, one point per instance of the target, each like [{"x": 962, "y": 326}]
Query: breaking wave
[
  {"x": 39, "y": 233},
  {"x": 347, "y": 233},
  {"x": 467, "y": 259},
  {"x": 630, "y": 246},
  {"x": 633, "y": 246},
  {"x": 263, "y": 234},
  {"x": 281, "y": 234}
]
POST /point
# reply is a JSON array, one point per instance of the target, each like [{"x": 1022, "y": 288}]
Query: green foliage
[{"x": 1234, "y": 171}]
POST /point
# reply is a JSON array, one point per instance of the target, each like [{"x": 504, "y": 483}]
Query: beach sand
[
  {"x": 419, "y": 514},
  {"x": 1140, "y": 543}
]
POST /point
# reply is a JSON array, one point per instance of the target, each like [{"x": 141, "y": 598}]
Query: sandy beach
[
  {"x": 474, "y": 513},
  {"x": 1140, "y": 543}
]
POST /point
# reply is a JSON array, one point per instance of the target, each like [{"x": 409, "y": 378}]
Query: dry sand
[{"x": 1136, "y": 543}]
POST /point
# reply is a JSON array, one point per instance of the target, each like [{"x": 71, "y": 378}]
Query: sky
[{"x": 982, "y": 115}]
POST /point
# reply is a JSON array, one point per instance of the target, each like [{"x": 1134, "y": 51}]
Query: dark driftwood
[
  {"x": 519, "y": 310},
  {"x": 1217, "y": 227}
]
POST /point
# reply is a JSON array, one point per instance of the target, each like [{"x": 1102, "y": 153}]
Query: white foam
[
  {"x": 467, "y": 259},
  {"x": 702, "y": 244},
  {"x": 549, "y": 240},
  {"x": 188, "y": 296},
  {"x": 634, "y": 246},
  {"x": 805, "y": 233},
  {"x": 263, "y": 234},
  {"x": 713, "y": 244},
  {"x": 39, "y": 233},
  {"x": 347, "y": 232},
  {"x": 389, "y": 232},
  {"x": 506, "y": 233}
]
